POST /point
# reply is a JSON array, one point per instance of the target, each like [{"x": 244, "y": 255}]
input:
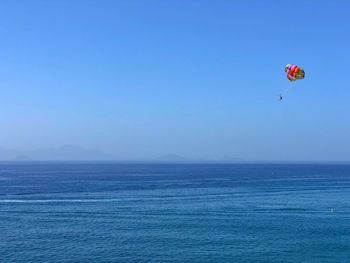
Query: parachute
[{"x": 294, "y": 72}]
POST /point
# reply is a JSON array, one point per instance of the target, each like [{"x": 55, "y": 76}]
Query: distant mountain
[
  {"x": 172, "y": 158},
  {"x": 66, "y": 152},
  {"x": 21, "y": 157},
  {"x": 179, "y": 158},
  {"x": 77, "y": 153},
  {"x": 227, "y": 158},
  {"x": 8, "y": 154},
  {"x": 62, "y": 153}
]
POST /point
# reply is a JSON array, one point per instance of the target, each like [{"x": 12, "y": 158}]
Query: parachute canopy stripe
[{"x": 294, "y": 72}]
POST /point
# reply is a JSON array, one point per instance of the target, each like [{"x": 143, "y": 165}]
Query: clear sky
[{"x": 139, "y": 79}]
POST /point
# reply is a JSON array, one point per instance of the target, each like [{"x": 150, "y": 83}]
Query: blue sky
[{"x": 139, "y": 79}]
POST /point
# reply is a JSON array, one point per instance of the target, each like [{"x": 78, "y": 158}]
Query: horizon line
[{"x": 181, "y": 161}]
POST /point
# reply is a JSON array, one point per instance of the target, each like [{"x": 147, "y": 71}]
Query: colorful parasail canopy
[{"x": 294, "y": 72}]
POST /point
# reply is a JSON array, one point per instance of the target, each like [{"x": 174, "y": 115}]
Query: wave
[{"x": 58, "y": 200}]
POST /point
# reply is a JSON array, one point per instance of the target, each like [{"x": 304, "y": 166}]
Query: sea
[{"x": 144, "y": 212}]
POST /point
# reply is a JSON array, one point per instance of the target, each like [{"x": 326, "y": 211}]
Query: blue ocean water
[{"x": 108, "y": 212}]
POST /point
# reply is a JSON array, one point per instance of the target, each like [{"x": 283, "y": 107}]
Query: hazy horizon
[
  {"x": 73, "y": 153},
  {"x": 141, "y": 80}
]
